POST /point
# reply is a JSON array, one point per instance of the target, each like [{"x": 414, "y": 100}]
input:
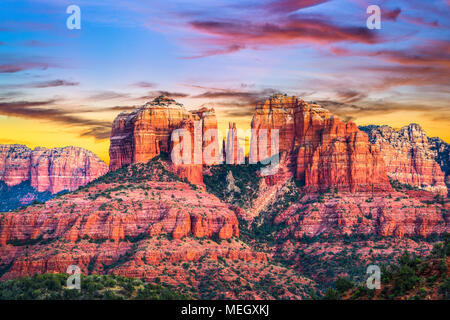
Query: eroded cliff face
[
  {"x": 144, "y": 133},
  {"x": 52, "y": 170},
  {"x": 328, "y": 153},
  {"x": 278, "y": 112},
  {"x": 410, "y": 156}
]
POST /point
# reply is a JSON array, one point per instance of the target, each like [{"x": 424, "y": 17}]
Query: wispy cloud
[
  {"x": 154, "y": 94},
  {"x": 143, "y": 84},
  {"x": 49, "y": 110},
  {"x": 22, "y": 66},
  {"x": 234, "y": 103},
  {"x": 37, "y": 44},
  {"x": 244, "y": 96},
  {"x": 421, "y": 21},
  {"x": 351, "y": 96},
  {"x": 350, "y": 111},
  {"x": 292, "y": 5},
  {"x": 41, "y": 84},
  {"x": 273, "y": 24},
  {"x": 230, "y": 49},
  {"x": 391, "y": 15},
  {"x": 108, "y": 95},
  {"x": 234, "y": 35}
]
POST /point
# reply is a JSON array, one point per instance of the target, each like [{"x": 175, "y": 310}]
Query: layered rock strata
[{"x": 328, "y": 153}]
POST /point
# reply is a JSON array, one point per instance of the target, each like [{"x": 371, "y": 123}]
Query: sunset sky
[{"x": 62, "y": 87}]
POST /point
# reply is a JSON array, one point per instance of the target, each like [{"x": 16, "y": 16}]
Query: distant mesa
[
  {"x": 411, "y": 157},
  {"x": 49, "y": 170}
]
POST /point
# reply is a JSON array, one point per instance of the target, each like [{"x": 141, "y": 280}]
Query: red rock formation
[
  {"x": 51, "y": 170},
  {"x": 142, "y": 222},
  {"x": 327, "y": 152},
  {"x": 409, "y": 156},
  {"x": 278, "y": 112},
  {"x": 144, "y": 133},
  {"x": 185, "y": 264},
  {"x": 15, "y": 163},
  {"x": 191, "y": 167},
  {"x": 441, "y": 152}
]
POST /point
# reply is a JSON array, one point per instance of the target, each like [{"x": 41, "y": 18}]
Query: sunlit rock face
[
  {"x": 144, "y": 133},
  {"x": 327, "y": 152}
]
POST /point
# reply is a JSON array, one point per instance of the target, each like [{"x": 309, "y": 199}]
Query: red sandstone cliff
[
  {"x": 144, "y": 133},
  {"x": 409, "y": 156},
  {"x": 51, "y": 170},
  {"x": 327, "y": 152}
]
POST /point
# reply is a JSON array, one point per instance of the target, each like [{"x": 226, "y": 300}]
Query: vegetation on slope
[
  {"x": 21, "y": 195},
  {"x": 410, "y": 278},
  {"x": 398, "y": 186},
  {"x": 245, "y": 178},
  {"x": 97, "y": 287},
  {"x": 263, "y": 228},
  {"x": 154, "y": 170}
]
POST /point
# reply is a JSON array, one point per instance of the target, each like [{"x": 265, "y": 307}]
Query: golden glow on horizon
[{"x": 33, "y": 133}]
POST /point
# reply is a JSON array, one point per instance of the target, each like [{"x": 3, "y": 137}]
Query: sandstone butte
[
  {"x": 325, "y": 152},
  {"x": 410, "y": 156},
  {"x": 52, "y": 170},
  {"x": 144, "y": 133}
]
